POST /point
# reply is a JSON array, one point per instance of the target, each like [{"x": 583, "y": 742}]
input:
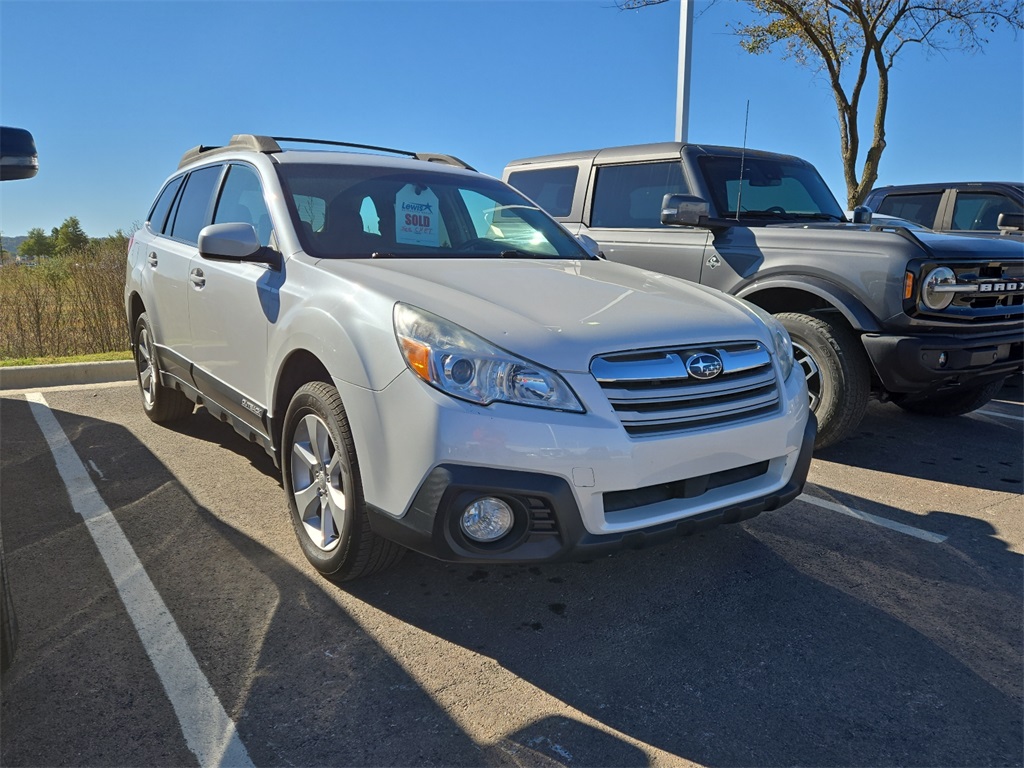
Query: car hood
[
  {"x": 943, "y": 246},
  {"x": 555, "y": 312}
]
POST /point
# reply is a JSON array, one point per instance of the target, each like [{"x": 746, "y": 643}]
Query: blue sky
[{"x": 115, "y": 92}]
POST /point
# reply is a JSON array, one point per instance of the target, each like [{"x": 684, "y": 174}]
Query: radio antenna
[{"x": 743, "y": 161}]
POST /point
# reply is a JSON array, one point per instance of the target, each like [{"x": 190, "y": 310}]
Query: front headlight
[
  {"x": 780, "y": 337},
  {"x": 463, "y": 365},
  {"x": 931, "y": 293}
]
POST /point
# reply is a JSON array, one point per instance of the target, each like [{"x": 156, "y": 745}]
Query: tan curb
[{"x": 29, "y": 376}]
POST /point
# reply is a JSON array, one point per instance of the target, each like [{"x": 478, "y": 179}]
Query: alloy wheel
[{"x": 318, "y": 474}]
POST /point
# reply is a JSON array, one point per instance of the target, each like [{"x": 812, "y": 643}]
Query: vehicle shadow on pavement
[
  {"x": 301, "y": 678},
  {"x": 801, "y": 637},
  {"x": 974, "y": 451},
  {"x": 792, "y": 639}
]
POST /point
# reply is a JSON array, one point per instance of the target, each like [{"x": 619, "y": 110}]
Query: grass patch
[{"x": 96, "y": 358}]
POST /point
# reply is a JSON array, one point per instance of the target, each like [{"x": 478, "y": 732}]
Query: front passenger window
[
  {"x": 980, "y": 210},
  {"x": 241, "y": 200}
]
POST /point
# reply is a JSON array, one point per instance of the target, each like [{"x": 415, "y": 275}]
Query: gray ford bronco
[{"x": 933, "y": 322}]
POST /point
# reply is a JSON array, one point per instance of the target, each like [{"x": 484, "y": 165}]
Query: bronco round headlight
[
  {"x": 932, "y": 298},
  {"x": 487, "y": 520}
]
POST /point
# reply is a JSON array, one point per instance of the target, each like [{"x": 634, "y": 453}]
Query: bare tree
[{"x": 847, "y": 39}]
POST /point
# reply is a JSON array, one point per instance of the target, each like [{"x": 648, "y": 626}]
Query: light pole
[{"x": 683, "y": 81}]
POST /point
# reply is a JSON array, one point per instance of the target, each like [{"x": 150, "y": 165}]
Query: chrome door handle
[
  {"x": 152, "y": 259},
  {"x": 197, "y": 278}
]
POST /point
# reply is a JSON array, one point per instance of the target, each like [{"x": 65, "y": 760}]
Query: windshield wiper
[
  {"x": 383, "y": 255},
  {"x": 516, "y": 254},
  {"x": 819, "y": 216},
  {"x": 766, "y": 215}
]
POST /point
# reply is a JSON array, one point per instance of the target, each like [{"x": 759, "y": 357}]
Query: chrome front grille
[
  {"x": 986, "y": 286},
  {"x": 653, "y": 393}
]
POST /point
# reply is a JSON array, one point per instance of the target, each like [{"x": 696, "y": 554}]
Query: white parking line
[
  {"x": 934, "y": 538},
  {"x": 208, "y": 730},
  {"x": 998, "y": 415}
]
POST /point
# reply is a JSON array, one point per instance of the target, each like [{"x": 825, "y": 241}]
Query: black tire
[
  {"x": 325, "y": 491},
  {"x": 957, "y": 403},
  {"x": 162, "y": 404},
  {"x": 837, "y": 372},
  {"x": 8, "y": 621}
]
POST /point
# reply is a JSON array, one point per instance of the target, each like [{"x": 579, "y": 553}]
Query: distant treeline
[
  {"x": 67, "y": 295},
  {"x": 64, "y": 240}
]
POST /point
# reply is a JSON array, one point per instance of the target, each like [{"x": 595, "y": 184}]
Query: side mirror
[
  {"x": 18, "y": 156},
  {"x": 862, "y": 215},
  {"x": 684, "y": 210},
  {"x": 590, "y": 246},
  {"x": 234, "y": 241},
  {"x": 1010, "y": 222}
]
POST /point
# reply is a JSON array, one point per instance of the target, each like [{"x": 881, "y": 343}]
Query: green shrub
[{"x": 67, "y": 305}]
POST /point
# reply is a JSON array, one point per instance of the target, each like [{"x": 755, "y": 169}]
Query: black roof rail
[{"x": 270, "y": 145}]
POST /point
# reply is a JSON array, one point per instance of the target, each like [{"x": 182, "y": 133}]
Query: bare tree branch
[{"x": 828, "y": 35}]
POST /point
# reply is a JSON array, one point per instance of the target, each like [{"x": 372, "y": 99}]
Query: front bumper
[
  {"x": 548, "y": 526},
  {"x": 915, "y": 363},
  {"x": 578, "y": 483}
]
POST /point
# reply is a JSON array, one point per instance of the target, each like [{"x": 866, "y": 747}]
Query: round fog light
[{"x": 487, "y": 519}]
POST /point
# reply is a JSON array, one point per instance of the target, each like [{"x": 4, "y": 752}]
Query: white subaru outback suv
[{"x": 436, "y": 364}]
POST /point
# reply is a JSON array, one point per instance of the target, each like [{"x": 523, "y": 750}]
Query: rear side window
[
  {"x": 920, "y": 207},
  {"x": 158, "y": 215},
  {"x": 980, "y": 210},
  {"x": 196, "y": 200},
  {"x": 551, "y": 188},
  {"x": 630, "y": 196}
]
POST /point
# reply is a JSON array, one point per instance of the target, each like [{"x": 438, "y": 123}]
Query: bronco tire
[
  {"x": 325, "y": 494},
  {"x": 837, "y": 373}
]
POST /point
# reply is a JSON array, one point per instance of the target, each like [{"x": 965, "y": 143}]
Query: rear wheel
[
  {"x": 325, "y": 495},
  {"x": 8, "y": 622},
  {"x": 836, "y": 370},
  {"x": 162, "y": 404},
  {"x": 955, "y": 403}
]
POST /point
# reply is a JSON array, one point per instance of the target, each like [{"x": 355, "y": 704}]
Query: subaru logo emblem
[{"x": 704, "y": 365}]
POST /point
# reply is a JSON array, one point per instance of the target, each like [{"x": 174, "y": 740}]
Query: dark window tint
[
  {"x": 354, "y": 211},
  {"x": 980, "y": 210},
  {"x": 194, "y": 209},
  {"x": 631, "y": 195},
  {"x": 767, "y": 187},
  {"x": 241, "y": 200},
  {"x": 920, "y": 207},
  {"x": 551, "y": 188},
  {"x": 158, "y": 215}
]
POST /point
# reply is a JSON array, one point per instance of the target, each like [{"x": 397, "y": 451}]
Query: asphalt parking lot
[{"x": 875, "y": 621}]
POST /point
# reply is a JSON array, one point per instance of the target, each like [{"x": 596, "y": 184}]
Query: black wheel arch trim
[{"x": 853, "y": 309}]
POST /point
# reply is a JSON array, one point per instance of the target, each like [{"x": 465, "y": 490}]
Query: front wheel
[
  {"x": 325, "y": 495},
  {"x": 836, "y": 370},
  {"x": 955, "y": 403}
]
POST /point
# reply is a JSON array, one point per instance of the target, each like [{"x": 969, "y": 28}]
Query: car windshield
[
  {"x": 768, "y": 188},
  {"x": 358, "y": 211}
]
